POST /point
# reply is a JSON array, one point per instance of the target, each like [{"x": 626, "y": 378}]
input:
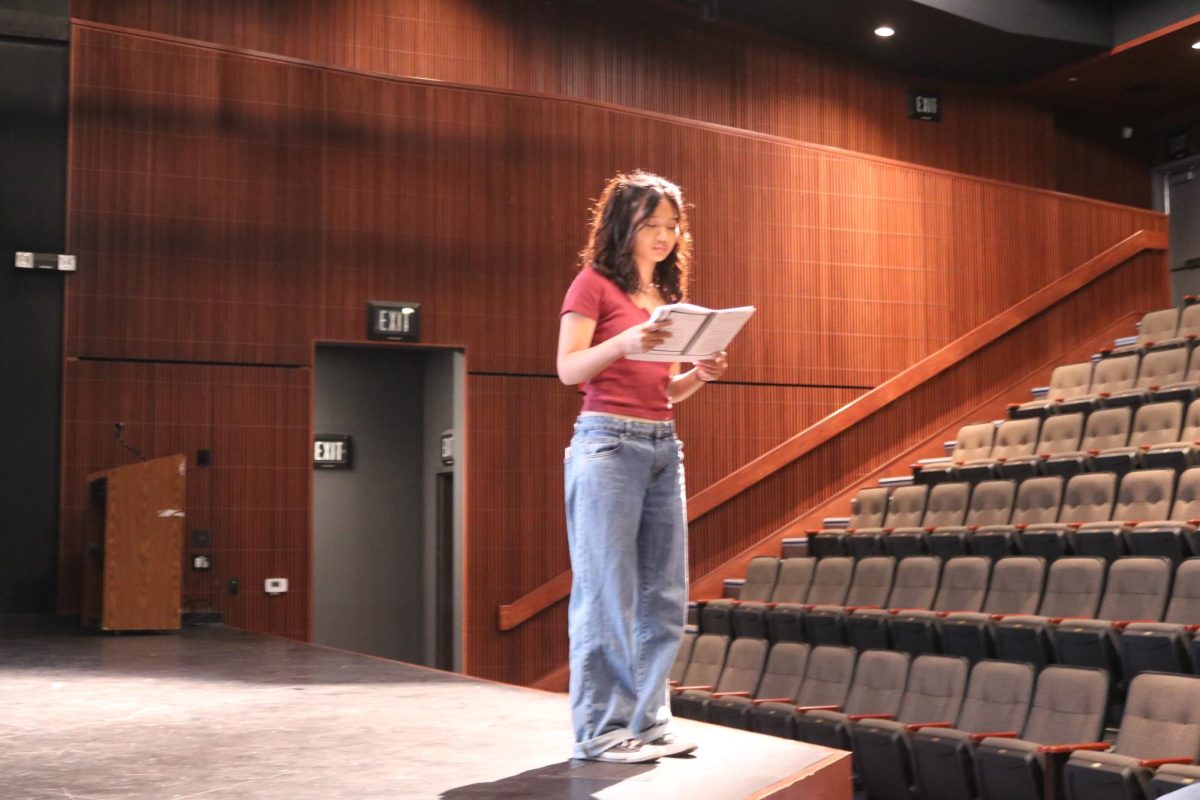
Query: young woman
[{"x": 626, "y": 525}]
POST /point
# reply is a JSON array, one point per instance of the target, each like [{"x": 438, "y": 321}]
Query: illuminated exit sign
[{"x": 925, "y": 106}]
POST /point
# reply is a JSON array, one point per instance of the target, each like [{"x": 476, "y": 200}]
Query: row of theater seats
[
  {"x": 1158, "y": 435},
  {"x": 1161, "y": 365},
  {"x": 1147, "y": 512},
  {"x": 936, "y": 728},
  {"x": 1138, "y": 614}
]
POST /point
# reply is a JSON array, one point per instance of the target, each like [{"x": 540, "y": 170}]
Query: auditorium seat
[
  {"x": 1187, "y": 331},
  {"x": 1161, "y": 724},
  {"x": 934, "y": 694},
  {"x": 738, "y": 678},
  {"x": 872, "y": 582},
  {"x": 1154, "y": 328},
  {"x": 1159, "y": 368},
  {"x": 1104, "y": 429},
  {"x": 947, "y": 507},
  {"x": 1067, "y": 380},
  {"x": 1015, "y": 438},
  {"x": 905, "y": 508},
  {"x": 879, "y": 680},
  {"x": 1173, "y": 777},
  {"x": 867, "y": 510},
  {"x": 716, "y": 616},
  {"x": 1164, "y": 646},
  {"x": 973, "y": 442},
  {"x": 963, "y": 588},
  {"x": 1137, "y": 589},
  {"x": 915, "y": 586},
  {"x": 1015, "y": 588},
  {"x": 830, "y": 583},
  {"x": 1184, "y": 452},
  {"x": 791, "y": 587},
  {"x": 780, "y": 683},
  {"x": 1143, "y": 495},
  {"x": 1060, "y": 433},
  {"x": 1186, "y": 388},
  {"x": 1068, "y": 707},
  {"x": 706, "y": 662},
  {"x": 1153, "y": 424},
  {"x": 827, "y": 678},
  {"x": 1087, "y": 498},
  {"x": 682, "y": 656},
  {"x": 996, "y": 704},
  {"x": 991, "y": 504},
  {"x": 1074, "y": 586},
  {"x": 1112, "y": 374},
  {"x": 1174, "y": 537},
  {"x": 1038, "y": 500}
]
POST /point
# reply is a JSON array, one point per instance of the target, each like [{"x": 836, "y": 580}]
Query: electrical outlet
[{"x": 275, "y": 585}]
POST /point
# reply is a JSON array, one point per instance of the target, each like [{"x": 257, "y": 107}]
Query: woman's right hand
[{"x": 642, "y": 338}]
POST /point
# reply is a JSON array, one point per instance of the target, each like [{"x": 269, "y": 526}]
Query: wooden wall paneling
[
  {"x": 651, "y": 56},
  {"x": 261, "y": 477}
]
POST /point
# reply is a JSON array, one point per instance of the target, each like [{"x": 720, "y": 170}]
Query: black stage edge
[{"x": 211, "y": 712}]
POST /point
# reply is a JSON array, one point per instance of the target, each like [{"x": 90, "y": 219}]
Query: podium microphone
[{"x": 119, "y": 432}]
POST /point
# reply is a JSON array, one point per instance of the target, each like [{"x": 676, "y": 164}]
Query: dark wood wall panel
[
  {"x": 253, "y": 499},
  {"x": 232, "y": 209},
  {"x": 655, "y": 57}
]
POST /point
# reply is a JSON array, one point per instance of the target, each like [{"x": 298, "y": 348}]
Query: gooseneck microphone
[{"x": 119, "y": 432}]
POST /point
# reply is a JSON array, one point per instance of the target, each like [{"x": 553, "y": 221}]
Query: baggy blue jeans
[{"x": 627, "y": 531}]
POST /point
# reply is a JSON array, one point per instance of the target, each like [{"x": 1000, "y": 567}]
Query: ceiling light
[
  {"x": 1195, "y": 45},
  {"x": 1073, "y": 79},
  {"x": 885, "y": 32}
]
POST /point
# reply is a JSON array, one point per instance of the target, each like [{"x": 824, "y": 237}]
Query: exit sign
[
  {"x": 394, "y": 322},
  {"x": 925, "y": 106},
  {"x": 331, "y": 451}
]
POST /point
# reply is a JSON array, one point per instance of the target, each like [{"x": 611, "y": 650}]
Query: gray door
[{"x": 1183, "y": 192}]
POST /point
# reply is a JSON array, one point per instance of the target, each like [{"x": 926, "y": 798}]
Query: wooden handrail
[{"x": 857, "y": 410}]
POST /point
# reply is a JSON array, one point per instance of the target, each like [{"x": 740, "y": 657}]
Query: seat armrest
[
  {"x": 1191, "y": 628},
  {"x": 692, "y": 688},
  {"x": 852, "y": 609},
  {"x": 730, "y": 694},
  {"x": 672, "y": 684},
  {"x": 916, "y": 726},
  {"x": 1057, "y": 620},
  {"x": 998, "y": 617},
  {"x": 943, "y": 614},
  {"x": 979, "y": 737},
  {"x": 1155, "y": 763},
  {"x": 857, "y": 717},
  {"x": 806, "y": 709},
  {"x": 1067, "y": 748},
  {"x": 758, "y": 701},
  {"x": 1122, "y": 624}
]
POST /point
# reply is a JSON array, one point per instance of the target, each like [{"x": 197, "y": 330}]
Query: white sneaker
[
  {"x": 672, "y": 745},
  {"x": 630, "y": 751}
]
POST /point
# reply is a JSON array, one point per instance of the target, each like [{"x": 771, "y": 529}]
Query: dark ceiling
[{"x": 1130, "y": 58}]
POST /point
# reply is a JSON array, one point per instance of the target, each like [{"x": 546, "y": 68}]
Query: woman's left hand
[{"x": 710, "y": 369}]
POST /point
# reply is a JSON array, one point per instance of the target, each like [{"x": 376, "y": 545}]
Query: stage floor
[{"x": 213, "y": 712}]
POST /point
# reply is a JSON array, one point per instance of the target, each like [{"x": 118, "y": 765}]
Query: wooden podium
[{"x": 135, "y": 540}]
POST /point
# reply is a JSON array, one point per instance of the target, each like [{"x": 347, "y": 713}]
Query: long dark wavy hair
[{"x": 625, "y": 203}]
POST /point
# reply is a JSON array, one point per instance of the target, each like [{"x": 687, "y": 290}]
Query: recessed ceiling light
[
  {"x": 885, "y": 32},
  {"x": 1073, "y": 79},
  {"x": 1195, "y": 45}
]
